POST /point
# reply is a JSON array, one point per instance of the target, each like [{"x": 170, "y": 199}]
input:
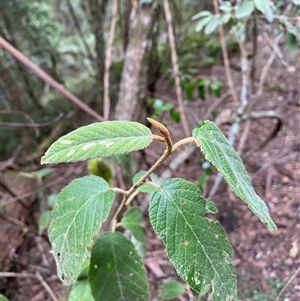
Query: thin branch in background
[
  {"x": 36, "y": 190},
  {"x": 267, "y": 66},
  {"x": 278, "y": 51},
  {"x": 77, "y": 25},
  {"x": 254, "y": 51},
  {"x": 176, "y": 69},
  {"x": 295, "y": 274},
  {"x": 225, "y": 57},
  {"x": 48, "y": 79},
  {"x": 32, "y": 124},
  {"x": 106, "y": 100},
  {"x": 25, "y": 115},
  {"x": 37, "y": 276},
  {"x": 245, "y": 79}
]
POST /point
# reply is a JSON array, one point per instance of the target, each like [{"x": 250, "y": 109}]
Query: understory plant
[{"x": 197, "y": 246}]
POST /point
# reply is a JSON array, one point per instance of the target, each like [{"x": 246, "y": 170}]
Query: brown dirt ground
[{"x": 259, "y": 255}]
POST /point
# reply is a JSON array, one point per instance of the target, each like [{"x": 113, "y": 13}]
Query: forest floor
[{"x": 264, "y": 261}]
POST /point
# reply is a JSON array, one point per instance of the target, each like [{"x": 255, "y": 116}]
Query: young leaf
[
  {"x": 197, "y": 246},
  {"x": 79, "y": 210},
  {"x": 81, "y": 291},
  {"x": 101, "y": 139},
  {"x": 132, "y": 221},
  {"x": 117, "y": 271},
  {"x": 223, "y": 156},
  {"x": 171, "y": 290}
]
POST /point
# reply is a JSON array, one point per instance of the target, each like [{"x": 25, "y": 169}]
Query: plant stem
[
  {"x": 114, "y": 219},
  {"x": 129, "y": 195}
]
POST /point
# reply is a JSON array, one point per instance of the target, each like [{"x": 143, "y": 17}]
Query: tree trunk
[
  {"x": 97, "y": 19},
  {"x": 133, "y": 85}
]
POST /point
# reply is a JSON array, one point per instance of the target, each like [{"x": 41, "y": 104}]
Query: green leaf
[
  {"x": 99, "y": 167},
  {"x": 245, "y": 9},
  {"x": 81, "y": 291},
  {"x": 225, "y": 18},
  {"x": 132, "y": 221},
  {"x": 291, "y": 42},
  {"x": 51, "y": 200},
  {"x": 79, "y": 210},
  {"x": 158, "y": 106},
  {"x": 215, "y": 87},
  {"x": 44, "y": 172},
  {"x": 269, "y": 14},
  {"x": 117, "y": 271},
  {"x": 175, "y": 115},
  {"x": 203, "y": 22},
  {"x": 261, "y": 5},
  {"x": 44, "y": 221},
  {"x": 212, "y": 26},
  {"x": 203, "y": 13},
  {"x": 197, "y": 246},
  {"x": 171, "y": 290},
  {"x": 101, "y": 139},
  {"x": 202, "y": 83},
  {"x": 190, "y": 89},
  {"x": 226, "y": 7},
  {"x": 223, "y": 156},
  {"x": 3, "y": 298}
]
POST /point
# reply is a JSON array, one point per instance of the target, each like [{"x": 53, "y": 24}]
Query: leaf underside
[
  {"x": 117, "y": 272},
  {"x": 223, "y": 156},
  {"x": 79, "y": 210},
  {"x": 197, "y": 246},
  {"x": 101, "y": 139}
]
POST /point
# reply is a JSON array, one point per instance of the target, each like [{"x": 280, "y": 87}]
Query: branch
[
  {"x": 245, "y": 80},
  {"x": 268, "y": 65},
  {"x": 106, "y": 100},
  {"x": 25, "y": 115},
  {"x": 288, "y": 283},
  {"x": 37, "y": 276},
  {"x": 225, "y": 57},
  {"x": 175, "y": 68},
  {"x": 32, "y": 124},
  {"x": 48, "y": 79}
]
